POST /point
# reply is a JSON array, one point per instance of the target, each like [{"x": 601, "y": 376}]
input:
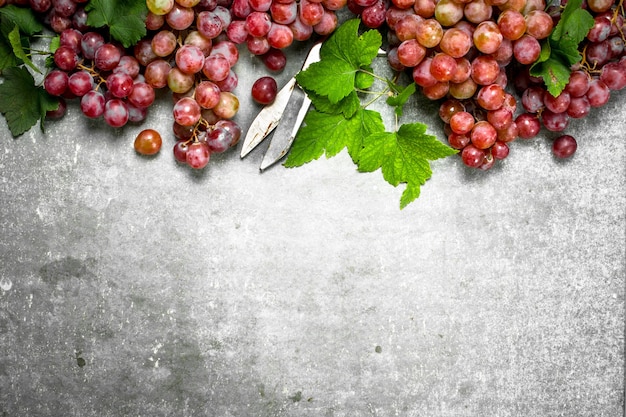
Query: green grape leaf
[
  {"x": 560, "y": 51},
  {"x": 364, "y": 79},
  {"x": 399, "y": 100},
  {"x": 567, "y": 51},
  {"x": 7, "y": 57},
  {"x": 22, "y": 102},
  {"x": 18, "y": 49},
  {"x": 342, "y": 56},
  {"x": 346, "y": 106},
  {"x": 555, "y": 74},
  {"x": 575, "y": 22},
  {"x": 332, "y": 78},
  {"x": 330, "y": 133},
  {"x": 22, "y": 17},
  {"x": 340, "y": 121},
  {"x": 125, "y": 19},
  {"x": 347, "y": 45},
  {"x": 403, "y": 157}
]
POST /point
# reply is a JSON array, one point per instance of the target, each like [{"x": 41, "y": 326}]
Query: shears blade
[{"x": 287, "y": 110}]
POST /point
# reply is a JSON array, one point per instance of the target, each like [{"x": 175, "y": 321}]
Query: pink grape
[{"x": 564, "y": 146}]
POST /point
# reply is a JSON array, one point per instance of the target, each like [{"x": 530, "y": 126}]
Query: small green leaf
[
  {"x": 331, "y": 77},
  {"x": 22, "y": 17},
  {"x": 567, "y": 51},
  {"x": 7, "y": 57},
  {"x": 555, "y": 75},
  {"x": 345, "y": 44},
  {"x": 343, "y": 55},
  {"x": 399, "y": 100},
  {"x": 364, "y": 80},
  {"x": 54, "y": 44},
  {"x": 329, "y": 134},
  {"x": 125, "y": 19},
  {"x": 16, "y": 43},
  {"x": 347, "y": 106},
  {"x": 403, "y": 157},
  {"x": 574, "y": 21},
  {"x": 21, "y": 102},
  {"x": 560, "y": 51}
]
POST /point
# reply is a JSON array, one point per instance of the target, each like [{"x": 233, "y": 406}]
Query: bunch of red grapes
[{"x": 461, "y": 53}]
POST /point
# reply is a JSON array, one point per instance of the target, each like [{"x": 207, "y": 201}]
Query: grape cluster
[
  {"x": 187, "y": 51},
  {"x": 101, "y": 75},
  {"x": 601, "y": 71},
  {"x": 463, "y": 52}
]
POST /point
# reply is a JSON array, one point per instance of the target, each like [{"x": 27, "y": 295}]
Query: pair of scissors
[{"x": 283, "y": 118}]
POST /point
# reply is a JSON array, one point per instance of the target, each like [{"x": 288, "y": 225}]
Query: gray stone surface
[{"x": 132, "y": 286}]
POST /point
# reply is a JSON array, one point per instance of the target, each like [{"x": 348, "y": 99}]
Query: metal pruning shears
[{"x": 287, "y": 112}]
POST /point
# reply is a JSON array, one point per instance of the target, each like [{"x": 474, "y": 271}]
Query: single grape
[
  {"x": 526, "y": 49},
  {"x": 115, "y": 113},
  {"x": 528, "y": 125},
  {"x": 483, "y": 135},
  {"x": 264, "y": 90},
  {"x": 66, "y": 58},
  {"x": 71, "y": 38},
  {"x": 207, "y": 94},
  {"x": 163, "y": 43},
  {"x": 180, "y": 17},
  {"x": 160, "y": 7},
  {"x": 490, "y": 97},
  {"x": 598, "y": 93},
  {"x": 197, "y": 155},
  {"x": 458, "y": 140},
  {"x": 487, "y": 37},
  {"x": 512, "y": 24},
  {"x": 179, "y": 82},
  {"x": 107, "y": 57},
  {"x": 227, "y": 107},
  {"x": 499, "y": 150},
  {"x": 148, "y": 142},
  {"x": 279, "y": 36},
  {"x": 455, "y": 42},
  {"x": 216, "y": 67},
  {"x": 180, "y": 151},
  {"x": 258, "y": 24},
  {"x": 532, "y": 99},
  {"x": 218, "y": 140},
  {"x": 539, "y": 24},
  {"x": 232, "y": 127},
  {"x": 477, "y": 11},
  {"x": 564, "y": 146},
  {"x": 429, "y": 33},
  {"x": 92, "y": 104},
  {"x": 142, "y": 95},
  {"x": 274, "y": 59},
  {"x": 186, "y": 111},
  {"x": 189, "y": 59},
  {"x": 56, "y": 82},
  {"x": 119, "y": 84},
  {"x": 128, "y": 65},
  {"x": 462, "y": 122},
  {"x": 557, "y": 104},
  {"x": 579, "y": 107},
  {"x": 209, "y": 24},
  {"x": 472, "y": 156},
  {"x": 80, "y": 83},
  {"x": 554, "y": 122}
]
